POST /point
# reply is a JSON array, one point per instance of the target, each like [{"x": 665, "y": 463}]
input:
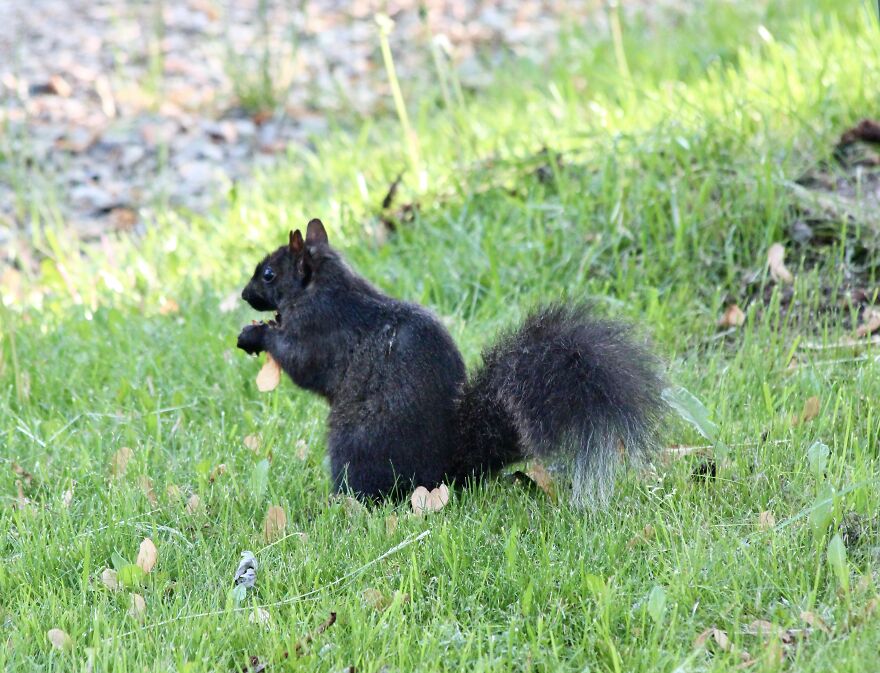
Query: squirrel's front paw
[{"x": 251, "y": 338}]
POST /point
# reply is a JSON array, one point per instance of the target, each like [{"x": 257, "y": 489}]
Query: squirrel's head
[{"x": 288, "y": 271}]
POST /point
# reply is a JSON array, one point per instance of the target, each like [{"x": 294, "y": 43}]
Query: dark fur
[{"x": 403, "y": 412}]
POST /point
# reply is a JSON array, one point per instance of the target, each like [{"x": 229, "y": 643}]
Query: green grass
[{"x": 671, "y": 190}]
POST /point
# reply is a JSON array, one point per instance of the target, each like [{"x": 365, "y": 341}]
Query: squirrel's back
[{"x": 393, "y": 418}]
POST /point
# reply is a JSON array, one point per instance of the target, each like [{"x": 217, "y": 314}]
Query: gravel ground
[{"x": 112, "y": 106}]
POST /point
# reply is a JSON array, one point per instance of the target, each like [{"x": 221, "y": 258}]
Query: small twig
[
  {"x": 326, "y": 624},
  {"x": 392, "y": 192},
  {"x": 682, "y": 451},
  {"x": 299, "y": 534},
  {"x": 121, "y": 522},
  {"x": 844, "y": 343}
]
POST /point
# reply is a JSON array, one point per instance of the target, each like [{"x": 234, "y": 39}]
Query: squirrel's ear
[
  {"x": 296, "y": 242},
  {"x": 315, "y": 232}
]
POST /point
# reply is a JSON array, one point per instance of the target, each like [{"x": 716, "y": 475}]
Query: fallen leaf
[
  {"x": 259, "y": 616},
  {"x": 168, "y": 306},
  {"x": 173, "y": 492},
  {"x": 733, "y": 316},
  {"x": 67, "y": 496},
  {"x": 390, "y": 524},
  {"x": 815, "y": 621},
  {"x": 766, "y": 520},
  {"x": 253, "y": 442},
  {"x": 146, "y": 485},
  {"x": 59, "y": 639},
  {"x": 761, "y": 627},
  {"x": 776, "y": 261},
  {"x": 809, "y": 412},
  {"x": 275, "y": 523},
  {"x": 721, "y": 638},
  {"x": 21, "y": 501},
  {"x": 301, "y": 450},
  {"x": 26, "y": 476},
  {"x": 352, "y": 506},
  {"x": 147, "y": 555},
  {"x": 871, "y": 323},
  {"x": 870, "y": 608},
  {"x": 119, "y": 461},
  {"x": 424, "y": 501},
  {"x": 539, "y": 474},
  {"x": 646, "y": 535},
  {"x": 59, "y": 86},
  {"x": 218, "y": 471},
  {"x": 137, "y": 607},
  {"x": 375, "y": 599},
  {"x": 269, "y": 376},
  {"x": 194, "y": 504},
  {"x": 110, "y": 580},
  {"x": 717, "y": 635}
]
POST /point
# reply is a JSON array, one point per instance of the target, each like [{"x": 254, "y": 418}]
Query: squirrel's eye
[{"x": 268, "y": 274}]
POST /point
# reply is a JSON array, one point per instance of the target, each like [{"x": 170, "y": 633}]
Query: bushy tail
[{"x": 564, "y": 385}]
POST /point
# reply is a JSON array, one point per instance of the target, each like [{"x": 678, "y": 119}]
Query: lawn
[{"x": 653, "y": 178}]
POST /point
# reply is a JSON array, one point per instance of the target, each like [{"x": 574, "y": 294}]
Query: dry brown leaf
[
  {"x": 766, "y": 520},
  {"x": 701, "y": 639},
  {"x": 375, "y": 599},
  {"x": 21, "y": 501},
  {"x": 109, "y": 579},
  {"x": 218, "y": 471},
  {"x": 147, "y": 555},
  {"x": 269, "y": 376},
  {"x": 776, "y": 261},
  {"x": 761, "y": 627},
  {"x": 717, "y": 635},
  {"x": 59, "y": 639},
  {"x": 646, "y": 535},
  {"x": 539, "y": 474},
  {"x": 173, "y": 492},
  {"x": 146, "y": 485},
  {"x": 259, "y": 616},
  {"x": 253, "y": 442},
  {"x": 733, "y": 316},
  {"x": 810, "y": 410},
  {"x": 26, "y": 476},
  {"x": 119, "y": 462},
  {"x": 194, "y": 504},
  {"x": 275, "y": 523},
  {"x": 815, "y": 621},
  {"x": 137, "y": 607},
  {"x": 59, "y": 86},
  {"x": 870, "y": 608},
  {"x": 67, "y": 496},
  {"x": 424, "y": 501},
  {"x": 721, "y": 638},
  {"x": 301, "y": 450},
  {"x": 168, "y": 306},
  {"x": 871, "y": 323},
  {"x": 390, "y": 524},
  {"x": 352, "y": 506}
]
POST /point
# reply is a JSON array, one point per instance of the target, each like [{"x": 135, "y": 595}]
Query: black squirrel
[{"x": 403, "y": 412}]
